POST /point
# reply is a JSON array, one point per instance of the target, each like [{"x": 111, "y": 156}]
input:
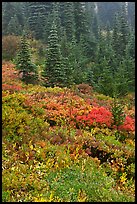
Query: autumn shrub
[
  {"x": 9, "y": 74},
  {"x": 96, "y": 116},
  {"x": 52, "y": 176},
  {"x": 10, "y": 46},
  {"x": 17, "y": 122},
  {"x": 114, "y": 155},
  {"x": 128, "y": 125},
  {"x": 103, "y": 97},
  {"x": 60, "y": 147},
  {"x": 84, "y": 88},
  {"x": 11, "y": 88}
]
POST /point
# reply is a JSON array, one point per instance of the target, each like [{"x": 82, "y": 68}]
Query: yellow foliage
[
  {"x": 123, "y": 178},
  {"x": 82, "y": 197}
]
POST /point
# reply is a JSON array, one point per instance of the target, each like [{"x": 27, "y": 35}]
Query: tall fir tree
[
  {"x": 95, "y": 25},
  {"x": 80, "y": 20},
  {"x": 14, "y": 28},
  {"x": 24, "y": 63},
  {"x": 8, "y": 11},
  {"x": 67, "y": 65},
  {"x": 78, "y": 61},
  {"x": 116, "y": 37},
  {"x": 124, "y": 30},
  {"x": 37, "y": 15},
  {"x": 53, "y": 71},
  {"x": 69, "y": 20}
]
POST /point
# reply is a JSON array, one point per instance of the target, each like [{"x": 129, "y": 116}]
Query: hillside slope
[{"x": 60, "y": 144}]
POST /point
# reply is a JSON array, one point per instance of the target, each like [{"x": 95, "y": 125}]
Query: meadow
[{"x": 62, "y": 145}]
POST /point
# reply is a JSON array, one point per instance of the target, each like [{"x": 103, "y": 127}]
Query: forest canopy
[{"x": 75, "y": 42}]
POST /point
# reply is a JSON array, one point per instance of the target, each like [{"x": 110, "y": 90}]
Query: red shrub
[
  {"x": 129, "y": 124},
  {"x": 97, "y": 115}
]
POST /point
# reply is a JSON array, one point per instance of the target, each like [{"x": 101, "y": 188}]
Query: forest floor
[{"x": 60, "y": 144}]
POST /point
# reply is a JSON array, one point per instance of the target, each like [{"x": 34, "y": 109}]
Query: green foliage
[
  {"x": 68, "y": 21},
  {"x": 24, "y": 64},
  {"x": 109, "y": 49},
  {"x": 8, "y": 13},
  {"x": 37, "y": 14},
  {"x": 58, "y": 177},
  {"x": 118, "y": 113},
  {"x": 54, "y": 70},
  {"x": 14, "y": 28},
  {"x": 5, "y": 196}
]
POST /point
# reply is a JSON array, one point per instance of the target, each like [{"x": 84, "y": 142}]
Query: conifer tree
[
  {"x": 67, "y": 65},
  {"x": 131, "y": 44},
  {"x": 95, "y": 25},
  {"x": 120, "y": 33},
  {"x": 80, "y": 20},
  {"x": 56, "y": 19},
  {"x": 78, "y": 61},
  {"x": 8, "y": 13},
  {"x": 37, "y": 16},
  {"x": 24, "y": 63},
  {"x": 116, "y": 37},
  {"x": 54, "y": 69},
  {"x": 124, "y": 30},
  {"x": 14, "y": 28},
  {"x": 69, "y": 20},
  {"x": 83, "y": 31}
]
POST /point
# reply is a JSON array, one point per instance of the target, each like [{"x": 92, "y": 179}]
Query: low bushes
[{"x": 59, "y": 147}]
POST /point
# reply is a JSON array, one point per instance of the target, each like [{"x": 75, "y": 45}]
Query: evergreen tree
[
  {"x": 116, "y": 37},
  {"x": 61, "y": 12},
  {"x": 81, "y": 24},
  {"x": 20, "y": 13},
  {"x": 67, "y": 65},
  {"x": 109, "y": 52},
  {"x": 78, "y": 62},
  {"x": 24, "y": 63},
  {"x": 39, "y": 27},
  {"x": 57, "y": 20},
  {"x": 124, "y": 30},
  {"x": 123, "y": 45},
  {"x": 131, "y": 44},
  {"x": 107, "y": 11},
  {"x": 102, "y": 78},
  {"x": 120, "y": 33},
  {"x": 54, "y": 69},
  {"x": 129, "y": 62},
  {"x": 51, "y": 16},
  {"x": 14, "y": 28},
  {"x": 47, "y": 27},
  {"x": 95, "y": 25},
  {"x": 8, "y": 11},
  {"x": 121, "y": 80},
  {"x": 69, "y": 20},
  {"x": 37, "y": 15}
]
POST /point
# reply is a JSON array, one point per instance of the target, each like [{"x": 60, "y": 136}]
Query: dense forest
[
  {"x": 76, "y": 42},
  {"x": 68, "y": 101}
]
